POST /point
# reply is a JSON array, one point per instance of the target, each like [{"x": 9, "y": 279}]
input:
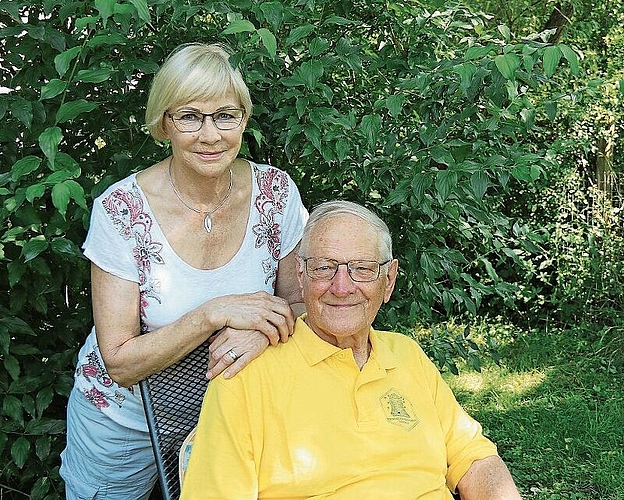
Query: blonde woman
[{"x": 199, "y": 245}]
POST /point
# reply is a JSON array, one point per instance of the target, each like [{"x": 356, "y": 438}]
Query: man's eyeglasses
[
  {"x": 192, "y": 121},
  {"x": 361, "y": 271}
]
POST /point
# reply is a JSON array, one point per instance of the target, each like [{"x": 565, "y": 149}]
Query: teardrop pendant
[{"x": 208, "y": 223}]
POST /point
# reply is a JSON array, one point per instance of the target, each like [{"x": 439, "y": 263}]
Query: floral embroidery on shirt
[
  {"x": 126, "y": 210},
  {"x": 270, "y": 202}
]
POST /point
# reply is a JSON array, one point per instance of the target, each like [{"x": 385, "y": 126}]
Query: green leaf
[
  {"x": 371, "y": 126},
  {"x": 273, "y": 12},
  {"x": 43, "y": 399},
  {"x": 3, "y": 441},
  {"x": 16, "y": 325},
  {"x": 341, "y": 21},
  {"x": 53, "y": 88},
  {"x": 42, "y": 447},
  {"x": 64, "y": 59},
  {"x": 551, "y": 109},
  {"x": 507, "y": 64},
  {"x": 49, "y": 140},
  {"x": 24, "y": 167},
  {"x": 420, "y": 184},
  {"x": 477, "y": 52},
  {"x": 310, "y": 72},
  {"x": 442, "y": 155},
  {"x": 318, "y": 46},
  {"x": 12, "y": 366},
  {"x": 394, "y": 103},
  {"x": 40, "y": 488},
  {"x": 239, "y": 26},
  {"x": 398, "y": 195},
  {"x": 35, "y": 191},
  {"x": 571, "y": 57},
  {"x": 12, "y": 408},
  {"x": 106, "y": 8},
  {"x": 269, "y": 41},
  {"x": 446, "y": 180},
  {"x": 479, "y": 182},
  {"x": 77, "y": 193},
  {"x": 60, "y": 197},
  {"x": 142, "y": 9},
  {"x": 23, "y": 111},
  {"x": 298, "y": 33},
  {"x": 41, "y": 426},
  {"x": 33, "y": 247},
  {"x": 552, "y": 56},
  {"x": 70, "y": 110},
  {"x": 466, "y": 72},
  {"x": 20, "y": 451},
  {"x": 98, "y": 75}
]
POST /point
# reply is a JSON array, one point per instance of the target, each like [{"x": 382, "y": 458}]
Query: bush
[{"x": 421, "y": 114}]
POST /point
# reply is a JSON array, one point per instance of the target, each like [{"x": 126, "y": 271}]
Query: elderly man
[{"x": 342, "y": 411}]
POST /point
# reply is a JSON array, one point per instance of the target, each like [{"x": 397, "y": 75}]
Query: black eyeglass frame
[
  {"x": 349, "y": 268},
  {"x": 204, "y": 115}
]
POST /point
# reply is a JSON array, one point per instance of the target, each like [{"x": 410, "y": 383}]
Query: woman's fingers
[
  {"x": 258, "y": 311},
  {"x": 233, "y": 350}
]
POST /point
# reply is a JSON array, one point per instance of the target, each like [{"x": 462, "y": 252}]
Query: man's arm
[{"x": 488, "y": 479}]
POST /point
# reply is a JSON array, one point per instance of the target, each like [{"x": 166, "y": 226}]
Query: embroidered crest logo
[{"x": 399, "y": 410}]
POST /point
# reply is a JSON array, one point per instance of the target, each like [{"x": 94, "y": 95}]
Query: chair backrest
[{"x": 172, "y": 399}]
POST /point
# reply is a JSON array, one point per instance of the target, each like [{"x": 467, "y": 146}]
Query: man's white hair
[{"x": 342, "y": 207}]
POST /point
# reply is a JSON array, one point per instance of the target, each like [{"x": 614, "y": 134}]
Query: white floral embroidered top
[{"x": 125, "y": 239}]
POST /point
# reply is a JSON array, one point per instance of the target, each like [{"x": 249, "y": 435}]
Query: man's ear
[
  {"x": 300, "y": 271},
  {"x": 393, "y": 270}
]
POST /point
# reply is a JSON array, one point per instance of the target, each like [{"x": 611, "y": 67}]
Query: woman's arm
[
  {"x": 248, "y": 345},
  {"x": 130, "y": 357},
  {"x": 287, "y": 285}
]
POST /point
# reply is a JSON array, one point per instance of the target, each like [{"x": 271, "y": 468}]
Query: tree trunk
[{"x": 560, "y": 17}]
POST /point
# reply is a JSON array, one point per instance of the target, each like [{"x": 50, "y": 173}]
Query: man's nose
[{"x": 342, "y": 282}]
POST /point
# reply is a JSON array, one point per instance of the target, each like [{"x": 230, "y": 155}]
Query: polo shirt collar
[{"x": 314, "y": 349}]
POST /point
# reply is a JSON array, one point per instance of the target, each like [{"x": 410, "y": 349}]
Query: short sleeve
[
  {"x": 463, "y": 435},
  {"x": 111, "y": 240},
  {"x": 294, "y": 220}
]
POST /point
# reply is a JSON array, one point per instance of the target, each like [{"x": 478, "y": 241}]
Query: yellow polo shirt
[{"x": 303, "y": 422}]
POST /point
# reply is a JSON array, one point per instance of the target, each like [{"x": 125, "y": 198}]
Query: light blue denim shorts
[{"x": 104, "y": 460}]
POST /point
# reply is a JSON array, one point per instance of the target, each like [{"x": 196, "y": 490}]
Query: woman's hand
[
  {"x": 232, "y": 350},
  {"x": 260, "y": 311}
]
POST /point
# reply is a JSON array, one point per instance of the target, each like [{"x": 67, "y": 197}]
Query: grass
[{"x": 555, "y": 408}]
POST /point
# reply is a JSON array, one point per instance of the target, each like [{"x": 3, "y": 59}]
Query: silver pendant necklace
[{"x": 207, "y": 214}]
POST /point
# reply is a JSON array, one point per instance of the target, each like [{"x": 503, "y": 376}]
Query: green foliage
[
  {"x": 578, "y": 274},
  {"x": 557, "y": 398},
  {"x": 423, "y": 114}
]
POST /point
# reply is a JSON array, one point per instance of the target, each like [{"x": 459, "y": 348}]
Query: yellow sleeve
[
  {"x": 463, "y": 435},
  {"x": 221, "y": 463}
]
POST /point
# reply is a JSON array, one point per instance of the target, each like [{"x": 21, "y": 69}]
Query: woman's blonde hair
[{"x": 193, "y": 72}]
